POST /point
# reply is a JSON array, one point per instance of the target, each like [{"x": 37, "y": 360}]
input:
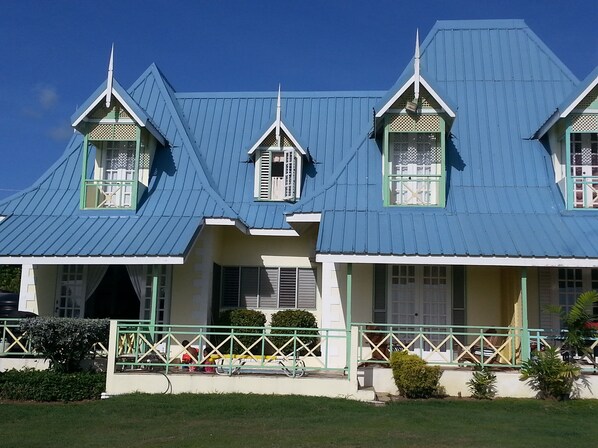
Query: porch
[{"x": 154, "y": 358}]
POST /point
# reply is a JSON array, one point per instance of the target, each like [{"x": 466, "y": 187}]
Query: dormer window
[
  {"x": 584, "y": 169},
  {"x": 276, "y": 171},
  {"x": 415, "y": 168},
  {"x": 414, "y": 118},
  {"x": 572, "y": 133},
  {"x": 118, "y": 148},
  {"x": 278, "y": 157}
]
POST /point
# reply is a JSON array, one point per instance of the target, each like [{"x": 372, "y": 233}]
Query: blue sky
[{"x": 55, "y": 53}]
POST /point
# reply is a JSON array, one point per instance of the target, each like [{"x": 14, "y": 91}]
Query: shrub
[
  {"x": 65, "y": 342},
  {"x": 47, "y": 385},
  {"x": 294, "y": 319},
  {"x": 482, "y": 385},
  {"x": 243, "y": 318},
  {"x": 10, "y": 278},
  {"x": 549, "y": 375},
  {"x": 414, "y": 377}
]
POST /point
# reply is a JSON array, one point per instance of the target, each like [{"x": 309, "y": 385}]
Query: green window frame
[{"x": 414, "y": 166}]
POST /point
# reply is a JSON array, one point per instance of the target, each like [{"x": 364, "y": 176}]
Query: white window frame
[
  {"x": 584, "y": 175},
  {"x": 420, "y": 191},
  {"x": 70, "y": 291},
  {"x": 290, "y": 182}
]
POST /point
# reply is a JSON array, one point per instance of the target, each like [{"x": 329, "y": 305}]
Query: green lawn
[{"x": 269, "y": 421}]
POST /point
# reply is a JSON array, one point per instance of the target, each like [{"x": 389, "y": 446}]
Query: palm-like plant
[{"x": 578, "y": 323}]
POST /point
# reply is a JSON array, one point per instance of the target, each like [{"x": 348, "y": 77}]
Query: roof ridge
[{"x": 163, "y": 85}]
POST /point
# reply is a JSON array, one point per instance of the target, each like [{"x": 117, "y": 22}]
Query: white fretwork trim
[
  {"x": 259, "y": 141},
  {"x": 580, "y": 97},
  {"x": 402, "y": 90},
  {"x": 457, "y": 260}
]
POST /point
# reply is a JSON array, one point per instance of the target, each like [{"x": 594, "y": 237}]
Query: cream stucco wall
[
  {"x": 191, "y": 292},
  {"x": 483, "y": 295},
  {"x": 234, "y": 248},
  {"x": 38, "y": 289}
]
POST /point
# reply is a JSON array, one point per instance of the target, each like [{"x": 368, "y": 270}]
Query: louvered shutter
[
  {"x": 306, "y": 289},
  {"x": 287, "y": 288},
  {"x": 264, "y": 175},
  {"x": 249, "y": 287},
  {"x": 268, "y": 287},
  {"x": 380, "y": 293},
  {"x": 230, "y": 287},
  {"x": 290, "y": 169}
]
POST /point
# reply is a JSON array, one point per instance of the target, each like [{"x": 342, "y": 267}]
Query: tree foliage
[{"x": 10, "y": 278}]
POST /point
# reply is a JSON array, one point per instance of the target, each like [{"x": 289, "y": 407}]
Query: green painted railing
[
  {"x": 226, "y": 350},
  {"x": 109, "y": 193},
  {"x": 445, "y": 344}
]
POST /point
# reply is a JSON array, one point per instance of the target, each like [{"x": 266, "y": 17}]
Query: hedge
[{"x": 47, "y": 385}]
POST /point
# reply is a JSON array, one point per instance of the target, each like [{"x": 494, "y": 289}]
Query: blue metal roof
[
  {"x": 45, "y": 219},
  {"x": 501, "y": 195}
]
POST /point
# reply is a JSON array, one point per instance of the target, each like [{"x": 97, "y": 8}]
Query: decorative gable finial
[
  {"x": 278, "y": 121},
  {"x": 110, "y": 77},
  {"x": 416, "y": 66}
]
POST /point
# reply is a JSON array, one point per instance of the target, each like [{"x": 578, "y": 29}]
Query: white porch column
[{"x": 333, "y": 316}]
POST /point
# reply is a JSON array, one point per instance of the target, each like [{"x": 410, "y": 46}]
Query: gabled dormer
[
  {"x": 413, "y": 119},
  {"x": 119, "y": 143},
  {"x": 278, "y": 157},
  {"x": 572, "y": 133}
]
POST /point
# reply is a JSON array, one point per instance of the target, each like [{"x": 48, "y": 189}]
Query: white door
[
  {"x": 420, "y": 295},
  {"x": 416, "y": 158},
  {"x": 584, "y": 169},
  {"x": 119, "y": 165}
]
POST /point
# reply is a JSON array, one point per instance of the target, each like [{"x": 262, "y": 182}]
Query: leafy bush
[
  {"x": 243, "y": 318},
  {"x": 10, "y": 278},
  {"x": 294, "y": 319},
  {"x": 65, "y": 342},
  {"x": 414, "y": 377},
  {"x": 482, "y": 385},
  {"x": 577, "y": 323},
  {"x": 549, "y": 375},
  {"x": 47, "y": 385}
]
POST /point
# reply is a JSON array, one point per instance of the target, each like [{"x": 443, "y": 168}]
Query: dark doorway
[{"x": 114, "y": 298}]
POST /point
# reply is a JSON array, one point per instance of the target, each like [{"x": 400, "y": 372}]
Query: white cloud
[
  {"x": 46, "y": 96},
  {"x": 60, "y": 133}
]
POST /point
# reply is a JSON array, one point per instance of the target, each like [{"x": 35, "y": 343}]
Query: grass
[{"x": 269, "y": 421}]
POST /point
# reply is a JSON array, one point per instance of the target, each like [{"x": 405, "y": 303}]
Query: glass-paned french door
[
  {"x": 164, "y": 286},
  {"x": 420, "y": 295},
  {"x": 72, "y": 291},
  {"x": 416, "y": 164},
  {"x": 118, "y": 166},
  {"x": 584, "y": 169},
  {"x": 70, "y": 300}
]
